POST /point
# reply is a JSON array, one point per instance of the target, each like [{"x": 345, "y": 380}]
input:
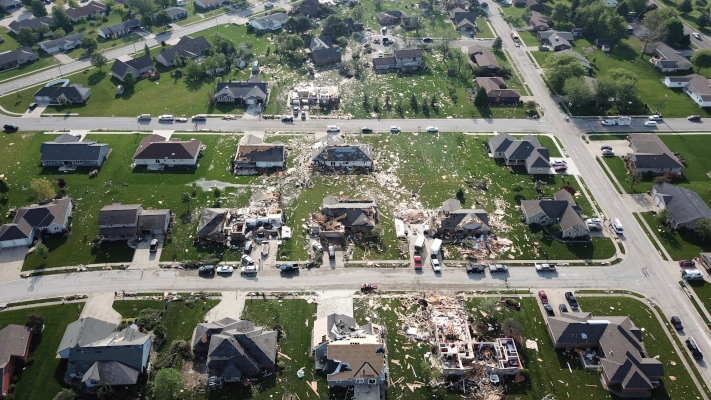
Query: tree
[
  {"x": 185, "y": 197},
  {"x": 65, "y": 394},
  {"x": 167, "y": 384},
  {"x": 61, "y": 183},
  {"x": 417, "y": 22},
  {"x": 704, "y": 19},
  {"x": 663, "y": 217},
  {"x": 89, "y": 44},
  {"x": 577, "y": 91},
  {"x": 623, "y": 9},
  {"x": 634, "y": 178},
  {"x": 358, "y": 12},
  {"x": 600, "y": 21},
  {"x": 702, "y": 228},
  {"x": 42, "y": 250},
  {"x": 413, "y": 101},
  {"x": 129, "y": 81},
  {"x": 482, "y": 99},
  {"x": 445, "y": 44},
  {"x": 701, "y": 59},
  {"x": 560, "y": 67},
  {"x": 561, "y": 12},
  {"x": 60, "y": 18},
  {"x": 59, "y": 33},
  {"x": 637, "y": 6},
  {"x": 299, "y": 24},
  {"x": 98, "y": 60},
  {"x": 163, "y": 18},
  {"x": 334, "y": 26},
  {"x": 26, "y": 3},
  {"x": 498, "y": 43},
  {"x": 675, "y": 31},
  {"x": 42, "y": 189},
  {"x": 144, "y": 7},
  {"x": 35, "y": 322},
  {"x": 685, "y": 7},
  {"x": 38, "y": 8},
  {"x": 4, "y": 188},
  {"x": 120, "y": 10},
  {"x": 27, "y": 37}
]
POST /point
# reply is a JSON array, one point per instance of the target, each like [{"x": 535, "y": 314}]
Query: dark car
[
  {"x": 686, "y": 263},
  {"x": 206, "y": 270},
  {"x": 154, "y": 246},
  {"x": 368, "y": 287},
  {"x": 571, "y": 300},
  {"x": 676, "y": 323},
  {"x": 694, "y": 118},
  {"x": 694, "y": 347},
  {"x": 288, "y": 268},
  {"x": 427, "y": 39},
  {"x": 365, "y": 129},
  {"x": 548, "y": 308},
  {"x": 10, "y": 127},
  {"x": 33, "y": 106},
  {"x": 563, "y": 308}
]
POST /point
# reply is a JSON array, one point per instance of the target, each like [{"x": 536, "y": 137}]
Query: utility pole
[{"x": 661, "y": 104}]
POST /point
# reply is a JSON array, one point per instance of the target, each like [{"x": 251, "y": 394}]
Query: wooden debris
[{"x": 284, "y": 355}]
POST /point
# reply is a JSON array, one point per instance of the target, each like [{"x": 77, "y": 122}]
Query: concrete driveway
[
  {"x": 100, "y": 306},
  {"x": 230, "y": 306},
  {"x": 11, "y": 260},
  {"x": 143, "y": 258}
]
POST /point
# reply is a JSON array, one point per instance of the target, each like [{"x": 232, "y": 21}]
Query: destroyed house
[
  {"x": 343, "y": 156},
  {"x": 229, "y": 226},
  {"x": 322, "y": 96},
  {"x": 342, "y": 217},
  {"x": 338, "y": 329},
  {"x": 453, "y": 220},
  {"x": 262, "y": 155},
  {"x": 617, "y": 349}
]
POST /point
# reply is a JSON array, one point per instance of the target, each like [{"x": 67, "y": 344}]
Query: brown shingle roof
[
  {"x": 364, "y": 359},
  {"x": 156, "y": 147}
]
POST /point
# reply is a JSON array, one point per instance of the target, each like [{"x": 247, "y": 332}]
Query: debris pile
[{"x": 341, "y": 217}]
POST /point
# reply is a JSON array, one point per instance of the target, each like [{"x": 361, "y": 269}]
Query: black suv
[
  {"x": 206, "y": 270},
  {"x": 10, "y": 127},
  {"x": 695, "y": 351},
  {"x": 571, "y": 300},
  {"x": 676, "y": 323}
]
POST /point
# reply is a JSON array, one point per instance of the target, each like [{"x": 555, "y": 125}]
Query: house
[
  {"x": 610, "y": 3},
  {"x": 155, "y": 151},
  {"x": 119, "y": 30},
  {"x": 323, "y": 51},
  {"x": 666, "y": 59},
  {"x": 59, "y": 95},
  {"x": 209, "y": 4},
  {"x": 91, "y": 10},
  {"x": 310, "y": 8},
  {"x": 651, "y": 156},
  {"x": 119, "y": 221},
  {"x": 154, "y": 222},
  {"x": 392, "y": 18},
  {"x": 61, "y": 44},
  {"x": 308, "y": 94},
  {"x": 343, "y": 156},
  {"x": 539, "y": 22},
  {"x": 136, "y": 66},
  {"x": 16, "y": 58},
  {"x": 627, "y": 371},
  {"x": 51, "y": 218},
  {"x": 483, "y": 57},
  {"x": 15, "y": 343},
  {"x": 6, "y": 5},
  {"x": 229, "y": 226},
  {"x": 561, "y": 210},
  {"x": 98, "y": 355},
  {"x": 557, "y": 41},
  {"x": 186, "y": 47},
  {"x": 340, "y": 217},
  {"x": 235, "y": 350},
  {"x": 269, "y": 22},
  {"x": 685, "y": 206},
  {"x": 176, "y": 13},
  {"x": 577, "y": 32},
  {"x": 696, "y": 86},
  {"x": 463, "y": 20},
  {"x": 384, "y": 63},
  {"x": 259, "y": 155},
  {"x": 526, "y": 151},
  {"x": 497, "y": 92},
  {"x": 581, "y": 59},
  {"x": 211, "y": 225},
  {"x": 43, "y": 23},
  {"x": 68, "y": 153},
  {"x": 252, "y": 92},
  {"x": 604, "y": 44},
  {"x": 705, "y": 260},
  {"x": 451, "y": 220},
  {"x": 533, "y": 5},
  {"x": 408, "y": 58},
  {"x": 635, "y": 28}
]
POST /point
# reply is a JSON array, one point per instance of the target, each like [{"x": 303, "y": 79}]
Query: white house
[
  {"x": 695, "y": 86},
  {"x": 29, "y": 221},
  {"x": 156, "y": 151},
  {"x": 343, "y": 156},
  {"x": 610, "y": 3},
  {"x": 61, "y": 44},
  {"x": 270, "y": 22}
]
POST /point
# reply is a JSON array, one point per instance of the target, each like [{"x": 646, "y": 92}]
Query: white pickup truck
[
  {"x": 249, "y": 270},
  {"x": 545, "y": 267},
  {"x": 498, "y": 268}
]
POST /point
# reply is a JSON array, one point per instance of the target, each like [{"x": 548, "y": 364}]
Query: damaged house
[
  {"x": 526, "y": 151},
  {"x": 453, "y": 220},
  {"x": 561, "y": 210},
  {"x": 252, "y": 153},
  {"x": 343, "y": 156},
  {"x": 310, "y": 95},
  {"x": 342, "y": 217},
  {"x": 235, "y": 350}
]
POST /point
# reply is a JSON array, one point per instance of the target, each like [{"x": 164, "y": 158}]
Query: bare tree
[{"x": 445, "y": 44}]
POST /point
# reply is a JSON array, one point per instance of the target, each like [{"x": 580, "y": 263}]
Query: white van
[
  {"x": 144, "y": 117},
  {"x": 199, "y": 117},
  {"x": 436, "y": 246},
  {"x": 165, "y": 118},
  {"x": 617, "y": 226},
  {"x": 692, "y": 275},
  {"x": 420, "y": 243},
  {"x": 333, "y": 128}
]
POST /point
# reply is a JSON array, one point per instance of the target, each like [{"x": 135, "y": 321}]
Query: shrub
[
  {"x": 673, "y": 177},
  {"x": 179, "y": 349},
  {"x": 149, "y": 318},
  {"x": 29, "y": 361}
]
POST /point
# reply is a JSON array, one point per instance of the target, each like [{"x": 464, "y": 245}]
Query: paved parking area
[
  {"x": 143, "y": 258},
  {"x": 556, "y": 297},
  {"x": 335, "y": 301},
  {"x": 11, "y": 260}
]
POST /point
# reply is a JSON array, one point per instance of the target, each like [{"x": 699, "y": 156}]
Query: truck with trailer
[{"x": 436, "y": 247}]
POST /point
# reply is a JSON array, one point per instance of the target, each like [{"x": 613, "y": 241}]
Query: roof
[
  {"x": 120, "y": 68},
  {"x": 463, "y": 19},
  {"x": 384, "y": 61},
  {"x": 154, "y": 147},
  {"x": 683, "y": 204},
  {"x": 331, "y": 327},
  {"x": 176, "y": 11},
  {"x": 33, "y": 23},
  {"x": 323, "y": 49},
  {"x": 210, "y": 221},
  {"x": 42, "y": 216},
  {"x": 670, "y": 54},
  {"x": 521, "y": 149},
  {"x": 272, "y": 19},
  {"x": 242, "y": 90},
  {"x": 13, "y": 55},
  {"x": 90, "y": 8},
  {"x": 651, "y": 152},
  {"x": 186, "y": 47},
  {"x": 583, "y": 61},
  {"x": 539, "y": 20},
  {"x": 266, "y": 152},
  {"x": 63, "y": 149},
  {"x": 500, "y": 142},
  {"x": 85, "y": 331},
  {"x": 14, "y": 340},
  {"x": 341, "y": 153},
  {"x": 550, "y": 35},
  {"x": 153, "y": 219},
  {"x": 561, "y": 207},
  {"x": 408, "y": 53},
  {"x": 700, "y": 85},
  {"x": 120, "y": 27},
  {"x": 72, "y": 91},
  {"x": 119, "y": 214},
  {"x": 496, "y": 87},
  {"x": 361, "y": 361},
  {"x": 112, "y": 373},
  {"x": 15, "y": 231},
  {"x": 48, "y": 44},
  {"x": 482, "y": 56}
]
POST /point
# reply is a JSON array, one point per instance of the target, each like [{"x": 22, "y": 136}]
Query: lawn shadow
[{"x": 96, "y": 77}]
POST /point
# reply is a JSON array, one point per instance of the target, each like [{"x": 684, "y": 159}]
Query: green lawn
[
  {"x": 680, "y": 244},
  {"x": 513, "y": 82},
  {"x": 10, "y": 43},
  {"x": 195, "y": 14},
  {"x": 529, "y": 38},
  {"x": 19, "y": 158},
  {"x": 483, "y": 29},
  {"x": 541, "y": 57},
  {"x": 44, "y": 378},
  {"x": 702, "y": 289},
  {"x": 655, "y": 339}
]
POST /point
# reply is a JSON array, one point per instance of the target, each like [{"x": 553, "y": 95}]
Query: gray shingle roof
[
  {"x": 120, "y": 27},
  {"x": 33, "y": 23},
  {"x": 210, "y": 221},
  {"x": 48, "y": 44},
  {"x": 407, "y": 53},
  {"x": 683, "y": 204},
  {"x": 270, "y": 20},
  {"x": 62, "y": 150},
  {"x": 242, "y": 90},
  {"x": 154, "y": 147},
  {"x": 120, "y": 68},
  {"x": 13, "y": 55},
  {"x": 348, "y": 152},
  {"x": 651, "y": 152},
  {"x": 119, "y": 214},
  {"x": 111, "y": 373},
  {"x": 186, "y": 47},
  {"x": 85, "y": 331}
]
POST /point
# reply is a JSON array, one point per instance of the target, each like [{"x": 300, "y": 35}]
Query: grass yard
[
  {"x": 680, "y": 244},
  {"x": 195, "y": 14},
  {"x": 483, "y": 30},
  {"x": 296, "y": 318},
  {"x": 703, "y": 294},
  {"x": 117, "y": 181},
  {"x": 9, "y": 44},
  {"x": 45, "y": 378},
  {"x": 655, "y": 339},
  {"x": 529, "y": 38},
  {"x": 541, "y": 57}
]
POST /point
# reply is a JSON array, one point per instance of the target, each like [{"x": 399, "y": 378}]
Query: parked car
[
  {"x": 608, "y": 122},
  {"x": 303, "y": 115},
  {"x": 559, "y": 163},
  {"x": 563, "y": 308},
  {"x": 475, "y": 268},
  {"x": 249, "y": 270},
  {"x": 247, "y": 260},
  {"x": 676, "y": 323},
  {"x": 154, "y": 246},
  {"x": 545, "y": 267},
  {"x": 498, "y": 268},
  {"x": 206, "y": 270},
  {"x": 432, "y": 129},
  {"x": 165, "y": 118},
  {"x": 224, "y": 269},
  {"x": 181, "y": 119},
  {"x": 605, "y": 147},
  {"x": 427, "y": 39},
  {"x": 199, "y": 117},
  {"x": 686, "y": 263},
  {"x": 571, "y": 300},
  {"x": 655, "y": 117},
  {"x": 436, "y": 267},
  {"x": 418, "y": 262},
  {"x": 650, "y": 123},
  {"x": 268, "y": 6},
  {"x": 694, "y": 347},
  {"x": 33, "y": 106},
  {"x": 543, "y": 296},
  {"x": 287, "y": 118},
  {"x": 696, "y": 35},
  {"x": 549, "y": 309},
  {"x": 560, "y": 168},
  {"x": 608, "y": 152},
  {"x": 296, "y": 110},
  {"x": 365, "y": 129},
  {"x": 395, "y": 129},
  {"x": 285, "y": 268},
  {"x": 368, "y": 287},
  {"x": 694, "y": 118},
  {"x": 10, "y": 127},
  {"x": 317, "y": 247}
]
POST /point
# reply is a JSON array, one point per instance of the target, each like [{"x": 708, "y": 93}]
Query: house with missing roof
[
  {"x": 650, "y": 155},
  {"x": 561, "y": 210},
  {"x": 252, "y": 154},
  {"x": 244, "y": 94},
  {"x": 685, "y": 206},
  {"x": 68, "y": 153},
  {"x": 120, "y": 221},
  {"x": 497, "y": 92},
  {"x": 696, "y": 86},
  {"x": 526, "y": 152},
  {"x": 269, "y": 22},
  {"x": 230, "y": 226},
  {"x": 453, "y": 221},
  {"x": 354, "y": 155},
  {"x": 666, "y": 59},
  {"x": 98, "y": 355},
  {"x": 406, "y": 59},
  {"x": 32, "y": 220},
  {"x": 17, "y": 58},
  {"x": 188, "y": 47},
  {"x": 350, "y": 355},
  {"x": 65, "y": 43},
  {"x": 15, "y": 343},
  {"x": 618, "y": 351},
  {"x": 482, "y": 57},
  {"x": 156, "y": 152},
  {"x": 235, "y": 350},
  {"x": 341, "y": 217},
  {"x": 138, "y": 67}
]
